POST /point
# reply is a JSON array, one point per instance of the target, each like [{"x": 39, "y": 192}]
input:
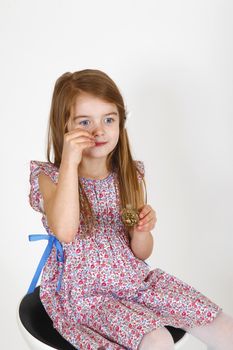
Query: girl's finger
[
  {"x": 144, "y": 212},
  {"x": 148, "y": 219},
  {"x": 147, "y": 223},
  {"x": 77, "y": 133}
]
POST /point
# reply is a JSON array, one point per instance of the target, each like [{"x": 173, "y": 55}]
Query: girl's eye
[
  {"x": 83, "y": 121},
  {"x": 110, "y": 119}
]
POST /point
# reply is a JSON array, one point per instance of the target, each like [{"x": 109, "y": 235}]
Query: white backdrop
[{"x": 172, "y": 61}]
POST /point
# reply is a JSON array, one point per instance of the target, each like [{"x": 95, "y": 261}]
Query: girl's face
[{"x": 100, "y": 119}]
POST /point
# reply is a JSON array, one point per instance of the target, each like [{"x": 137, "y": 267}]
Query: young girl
[{"x": 95, "y": 286}]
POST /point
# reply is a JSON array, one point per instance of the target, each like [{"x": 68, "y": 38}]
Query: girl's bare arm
[
  {"x": 61, "y": 202},
  {"x": 142, "y": 244}
]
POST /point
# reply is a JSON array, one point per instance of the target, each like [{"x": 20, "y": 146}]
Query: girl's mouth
[{"x": 97, "y": 144}]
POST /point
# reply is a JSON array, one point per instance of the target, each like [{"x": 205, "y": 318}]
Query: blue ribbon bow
[{"x": 52, "y": 241}]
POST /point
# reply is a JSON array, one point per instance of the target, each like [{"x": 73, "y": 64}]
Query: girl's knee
[
  {"x": 160, "y": 339},
  {"x": 223, "y": 323}
]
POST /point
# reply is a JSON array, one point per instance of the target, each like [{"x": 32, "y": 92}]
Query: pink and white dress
[{"x": 109, "y": 299}]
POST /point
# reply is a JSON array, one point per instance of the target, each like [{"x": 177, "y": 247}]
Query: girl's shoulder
[
  {"x": 37, "y": 167},
  {"x": 140, "y": 166},
  {"x": 40, "y": 163}
]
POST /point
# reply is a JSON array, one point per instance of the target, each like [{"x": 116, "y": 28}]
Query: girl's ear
[{"x": 127, "y": 116}]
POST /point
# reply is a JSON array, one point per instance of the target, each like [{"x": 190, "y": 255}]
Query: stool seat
[{"x": 33, "y": 319}]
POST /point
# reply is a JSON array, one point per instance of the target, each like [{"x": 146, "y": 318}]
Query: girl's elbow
[{"x": 66, "y": 236}]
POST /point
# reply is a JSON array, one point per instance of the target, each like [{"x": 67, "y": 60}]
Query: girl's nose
[{"x": 97, "y": 131}]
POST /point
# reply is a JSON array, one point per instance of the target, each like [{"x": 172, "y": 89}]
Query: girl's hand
[
  {"x": 75, "y": 141},
  {"x": 147, "y": 219}
]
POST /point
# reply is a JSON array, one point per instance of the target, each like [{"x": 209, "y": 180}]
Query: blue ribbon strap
[{"x": 52, "y": 241}]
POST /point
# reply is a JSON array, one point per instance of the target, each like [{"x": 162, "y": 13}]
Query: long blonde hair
[{"x": 97, "y": 83}]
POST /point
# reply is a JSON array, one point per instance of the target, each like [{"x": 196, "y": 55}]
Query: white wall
[{"x": 172, "y": 61}]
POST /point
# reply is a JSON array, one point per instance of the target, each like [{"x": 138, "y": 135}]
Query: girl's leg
[
  {"x": 218, "y": 335},
  {"x": 159, "y": 339}
]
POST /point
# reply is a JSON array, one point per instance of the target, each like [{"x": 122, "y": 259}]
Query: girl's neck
[
  {"x": 92, "y": 171},
  {"x": 94, "y": 176}
]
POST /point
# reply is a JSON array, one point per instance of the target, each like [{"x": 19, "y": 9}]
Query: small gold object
[{"x": 130, "y": 216}]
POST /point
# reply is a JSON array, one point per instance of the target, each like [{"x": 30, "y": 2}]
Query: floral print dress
[{"x": 109, "y": 299}]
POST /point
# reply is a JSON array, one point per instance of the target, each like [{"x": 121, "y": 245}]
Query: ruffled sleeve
[
  {"x": 141, "y": 169},
  {"x": 35, "y": 196}
]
